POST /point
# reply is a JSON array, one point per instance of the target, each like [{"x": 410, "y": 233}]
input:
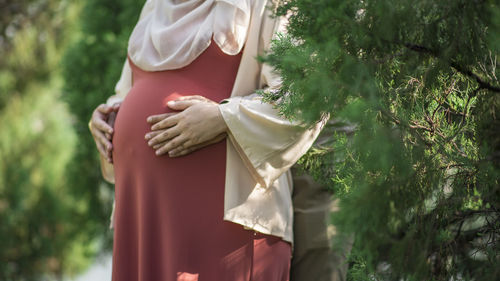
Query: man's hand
[
  {"x": 199, "y": 124},
  {"x": 101, "y": 126}
]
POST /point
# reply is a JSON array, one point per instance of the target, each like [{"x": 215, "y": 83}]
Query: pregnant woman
[{"x": 191, "y": 204}]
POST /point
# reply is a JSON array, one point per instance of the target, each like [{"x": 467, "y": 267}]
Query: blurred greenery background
[
  {"x": 423, "y": 165},
  {"x": 58, "y": 60}
]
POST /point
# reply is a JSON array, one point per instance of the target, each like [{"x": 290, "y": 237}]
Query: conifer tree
[
  {"x": 40, "y": 234},
  {"x": 419, "y": 180},
  {"x": 91, "y": 68}
]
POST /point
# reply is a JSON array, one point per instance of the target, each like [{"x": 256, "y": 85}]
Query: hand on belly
[{"x": 198, "y": 124}]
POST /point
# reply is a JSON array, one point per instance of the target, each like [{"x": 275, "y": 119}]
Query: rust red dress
[{"x": 169, "y": 211}]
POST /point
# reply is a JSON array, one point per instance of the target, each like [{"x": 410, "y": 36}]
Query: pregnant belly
[
  {"x": 159, "y": 189},
  {"x": 131, "y": 153}
]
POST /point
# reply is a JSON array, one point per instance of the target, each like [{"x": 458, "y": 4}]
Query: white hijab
[{"x": 170, "y": 34}]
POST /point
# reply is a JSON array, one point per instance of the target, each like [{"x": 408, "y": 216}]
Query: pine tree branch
[
  {"x": 482, "y": 84},
  {"x": 414, "y": 127}
]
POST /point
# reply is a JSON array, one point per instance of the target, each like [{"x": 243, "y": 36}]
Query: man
[{"x": 315, "y": 257}]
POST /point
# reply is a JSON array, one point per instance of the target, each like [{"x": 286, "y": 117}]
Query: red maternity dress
[{"x": 169, "y": 211}]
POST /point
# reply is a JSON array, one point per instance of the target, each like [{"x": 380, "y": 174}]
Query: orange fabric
[{"x": 169, "y": 211}]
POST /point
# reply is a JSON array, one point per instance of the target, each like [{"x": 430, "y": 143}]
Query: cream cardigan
[{"x": 263, "y": 145}]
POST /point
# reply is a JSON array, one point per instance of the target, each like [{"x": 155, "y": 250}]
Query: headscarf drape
[{"x": 170, "y": 34}]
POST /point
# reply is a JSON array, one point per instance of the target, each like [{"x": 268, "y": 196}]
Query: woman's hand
[
  {"x": 199, "y": 124},
  {"x": 101, "y": 126}
]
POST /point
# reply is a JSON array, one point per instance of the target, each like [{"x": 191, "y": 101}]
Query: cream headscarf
[{"x": 170, "y": 34}]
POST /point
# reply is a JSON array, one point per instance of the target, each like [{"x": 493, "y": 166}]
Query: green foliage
[
  {"x": 31, "y": 35},
  {"x": 37, "y": 233},
  {"x": 42, "y": 236},
  {"x": 419, "y": 179},
  {"x": 91, "y": 68}
]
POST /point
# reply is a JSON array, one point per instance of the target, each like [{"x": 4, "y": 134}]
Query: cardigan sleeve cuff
[{"x": 267, "y": 143}]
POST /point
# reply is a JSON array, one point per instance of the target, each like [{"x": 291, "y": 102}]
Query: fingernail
[
  {"x": 150, "y": 119},
  {"x": 147, "y": 136},
  {"x": 171, "y": 102},
  {"x": 150, "y": 142},
  {"x": 157, "y": 152}
]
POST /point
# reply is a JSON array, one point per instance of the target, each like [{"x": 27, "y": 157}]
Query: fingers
[
  {"x": 102, "y": 151},
  {"x": 153, "y": 134},
  {"x": 185, "y": 149},
  {"x": 163, "y": 136},
  {"x": 182, "y": 104},
  {"x": 111, "y": 123},
  {"x": 183, "y": 146},
  {"x": 111, "y": 119},
  {"x": 103, "y": 144},
  {"x": 101, "y": 127},
  {"x": 186, "y": 101},
  {"x": 116, "y": 106},
  {"x": 153, "y": 119},
  {"x": 176, "y": 142},
  {"x": 193, "y": 97},
  {"x": 105, "y": 109},
  {"x": 98, "y": 122},
  {"x": 166, "y": 123}
]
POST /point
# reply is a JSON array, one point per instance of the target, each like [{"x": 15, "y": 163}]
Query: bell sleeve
[
  {"x": 123, "y": 85},
  {"x": 268, "y": 143}
]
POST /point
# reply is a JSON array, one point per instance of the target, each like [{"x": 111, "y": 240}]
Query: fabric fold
[
  {"x": 258, "y": 182},
  {"x": 160, "y": 42},
  {"x": 266, "y": 142}
]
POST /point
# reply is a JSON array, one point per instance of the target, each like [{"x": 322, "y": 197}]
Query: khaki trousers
[{"x": 314, "y": 258}]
